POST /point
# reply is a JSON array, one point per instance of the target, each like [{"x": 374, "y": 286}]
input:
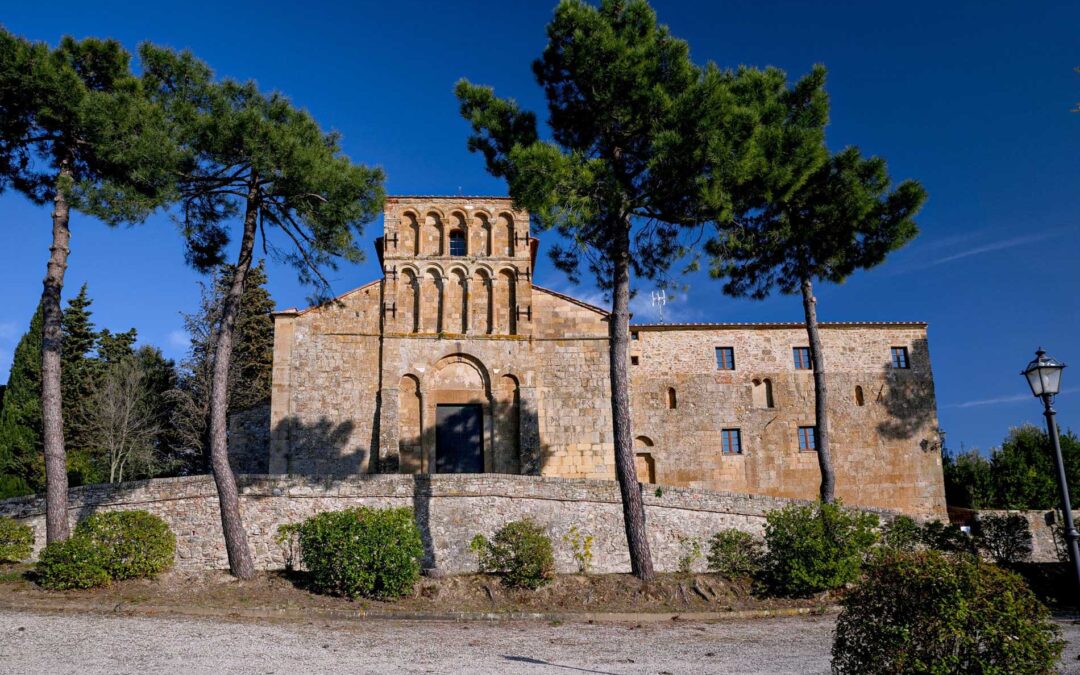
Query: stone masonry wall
[{"x": 450, "y": 510}]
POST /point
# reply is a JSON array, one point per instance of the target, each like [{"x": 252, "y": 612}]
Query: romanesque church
[{"x": 459, "y": 360}]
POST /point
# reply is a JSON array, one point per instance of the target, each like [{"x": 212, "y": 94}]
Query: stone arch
[
  {"x": 644, "y": 461},
  {"x": 431, "y": 301},
  {"x": 762, "y": 393},
  {"x": 672, "y": 401},
  {"x": 459, "y": 228},
  {"x": 859, "y": 399},
  {"x": 457, "y": 308},
  {"x": 504, "y": 235},
  {"x": 437, "y": 378},
  {"x": 504, "y": 302},
  {"x": 433, "y": 234},
  {"x": 480, "y": 301},
  {"x": 410, "y": 424},
  {"x": 408, "y": 300},
  {"x": 480, "y": 235},
  {"x": 507, "y": 414},
  {"x": 409, "y": 234}
]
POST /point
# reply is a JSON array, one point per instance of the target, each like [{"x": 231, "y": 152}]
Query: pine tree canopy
[
  {"x": 845, "y": 217},
  {"x": 78, "y": 107},
  {"x": 642, "y": 134},
  {"x": 245, "y": 149}
]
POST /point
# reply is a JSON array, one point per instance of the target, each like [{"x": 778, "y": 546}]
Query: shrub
[
  {"x": 926, "y": 612},
  {"x": 74, "y": 563},
  {"x": 373, "y": 553},
  {"x": 16, "y": 541},
  {"x": 581, "y": 547},
  {"x": 132, "y": 544},
  {"x": 689, "y": 553},
  {"x": 816, "y": 548},
  {"x": 734, "y": 553},
  {"x": 520, "y": 552},
  {"x": 901, "y": 534},
  {"x": 1007, "y": 539},
  {"x": 947, "y": 538}
]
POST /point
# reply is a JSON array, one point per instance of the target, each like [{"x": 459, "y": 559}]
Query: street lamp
[{"x": 1044, "y": 376}]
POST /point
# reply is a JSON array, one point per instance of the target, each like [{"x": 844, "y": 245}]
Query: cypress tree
[{"x": 22, "y": 470}]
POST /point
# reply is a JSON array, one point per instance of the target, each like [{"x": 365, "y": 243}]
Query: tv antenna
[{"x": 659, "y": 299}]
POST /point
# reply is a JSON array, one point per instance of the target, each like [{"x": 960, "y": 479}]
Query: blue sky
[{"x": 971, "y": 98}]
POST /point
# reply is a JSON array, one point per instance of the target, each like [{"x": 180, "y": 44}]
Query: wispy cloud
[
  {"x": 995, "y": 246},
  {"x": 179, "y": 340},
  {"x": 8, "y": 330},
  {"x": 1001, "y": 400}
]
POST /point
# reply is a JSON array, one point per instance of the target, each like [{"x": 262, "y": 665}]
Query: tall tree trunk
[
  {"x": 236, "y": 543},
  {"x": 821, "y": 393},
  {"x": 52, "y": 416},
  {"x": 633, "y": 508}
]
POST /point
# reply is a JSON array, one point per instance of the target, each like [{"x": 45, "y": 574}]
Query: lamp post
[{"x": 1044, "y": 376}]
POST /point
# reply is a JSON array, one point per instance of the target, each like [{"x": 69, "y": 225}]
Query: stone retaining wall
[
  {"x": 1041, "y": 524},
  {"x": 450, "y": 510}
]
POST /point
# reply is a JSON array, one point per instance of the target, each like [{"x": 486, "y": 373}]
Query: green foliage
[
  {"x": 245, "y": 151},
  {"x": 362, "y": 552},
  {"x": 520, "y": 553},
  {"x": 74, "y": 563},
  {"x": 131, "y": 544},
  {"x": 816, "y": 548},
  {"x": 1007, "y": 538},
  {"x": 581, "y": 547},
  {"x": 689, "y": 554},
  {"x": 736, "y": 554},
  {"x": 22, "y": 465},
  {"x": 1019, "y": 475},
  {"x": 901, "y": 533},
  {"x": 16, "y": 540},
  {"x": 946, "y": 538},
  {"x": 930, "y": 613}
]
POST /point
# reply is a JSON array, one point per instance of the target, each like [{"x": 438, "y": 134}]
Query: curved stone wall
[{"x": 450, "y": 510}]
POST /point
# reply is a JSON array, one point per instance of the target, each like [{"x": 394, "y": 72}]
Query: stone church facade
[{"x": 455, "y": 361}]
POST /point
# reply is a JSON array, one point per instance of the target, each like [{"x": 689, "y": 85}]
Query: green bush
[
  {"x": 734, "y": 554},
  {"x": 926, "y": 612},
  {"x": 362, "y": 552},
  {"x": 520, "y": 552},
  {"x": 133, "y": 544},
  {"x": 946, "y": 537},
  {"x": 901, "y": 534},
  {"x": 816, "y": 548},
  {"x": 1007, "y": 539},
  {"x": 16, "y": 541},
  {"x": 74, "y": 563}
]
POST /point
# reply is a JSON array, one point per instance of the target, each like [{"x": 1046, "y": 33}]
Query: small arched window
[
  {"x": 671, "y": 402},
  {"x": 457, "y": 243},
  {"x": 858, "y": 396},
  {"x": 763, "y": 394}
]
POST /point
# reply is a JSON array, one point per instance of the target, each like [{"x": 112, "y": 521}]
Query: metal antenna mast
[{"x": 659, "y": 299}]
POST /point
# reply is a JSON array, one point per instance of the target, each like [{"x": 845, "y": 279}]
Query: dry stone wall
[{"x": 450, "y": 510}]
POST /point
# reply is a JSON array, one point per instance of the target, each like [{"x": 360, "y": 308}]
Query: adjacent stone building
[{"x": 455, "y": 361}]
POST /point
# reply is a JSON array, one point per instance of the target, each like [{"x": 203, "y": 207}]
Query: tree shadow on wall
[
  {"x": 321, "y": 448},
  {"x": 908, "y": 397}
]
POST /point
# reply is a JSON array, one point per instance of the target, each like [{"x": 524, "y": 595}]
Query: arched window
[
  {"x": 671, "y": 402},
  {"x": 457, "y": 243},
  {"x": 858, "y": 396},
  {"x": 762, "y": 393}
]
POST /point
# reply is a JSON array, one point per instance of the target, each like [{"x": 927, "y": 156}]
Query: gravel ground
[{"x": 86, "y": 644}]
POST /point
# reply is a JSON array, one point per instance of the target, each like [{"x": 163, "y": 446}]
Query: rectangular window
[
  {"x": 807, "y": 439},
  {"x": 633, "y": 335},
  {"x": 634, "y": 360},
  {"x": 900, "y": 357},
  {"x": 731, "y": 442},
  {"x": 802, "y": 358},
  {"x": 725, "y": 358}
]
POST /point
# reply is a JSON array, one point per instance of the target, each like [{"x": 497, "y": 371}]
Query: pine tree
[
  {"x": 22, "y": 470},
  {"x": 259, "y": 159},
  {"x": 846, "y": 216},
  {"x": 77, "y": 133},
  {"x": 646, "y": 143},
  {"x": 249, "y": 379},
  {"x": 80, "y": 375}
]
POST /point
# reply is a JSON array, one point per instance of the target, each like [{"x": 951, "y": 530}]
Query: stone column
[
  {"x": 280, "y": 401},
  {"x": 389, "y": 428},
  {"x": 466, "y": 301}
]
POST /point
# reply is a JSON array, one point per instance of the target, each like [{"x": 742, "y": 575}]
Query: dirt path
[{"x": 89, "y": 643}]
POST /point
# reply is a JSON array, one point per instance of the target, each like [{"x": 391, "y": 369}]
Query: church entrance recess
[{"x": 458, "y": 439}]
